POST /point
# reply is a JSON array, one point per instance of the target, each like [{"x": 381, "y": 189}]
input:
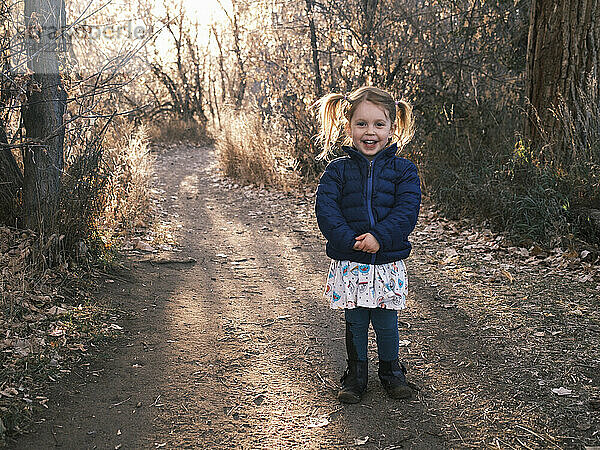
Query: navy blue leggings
[{"x": 385, "y": 324}]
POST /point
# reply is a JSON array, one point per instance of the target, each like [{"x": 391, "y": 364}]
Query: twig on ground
[
  {"x": 232, "y": 410},
  {"x": 548, "y": 439},
  {"x": 156, "y": 401},
  {"x": 327, "y": 383},
  {"x": 120, "y": 403},
  {"x": 523, "y": 444},
  {"x": 458, "y": 432}
]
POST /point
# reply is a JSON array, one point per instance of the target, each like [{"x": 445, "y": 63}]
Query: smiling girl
[{"x": 366, "y": 206}]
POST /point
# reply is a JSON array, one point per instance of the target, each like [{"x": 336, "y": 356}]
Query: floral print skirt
[{"x": 351, "y": 284}]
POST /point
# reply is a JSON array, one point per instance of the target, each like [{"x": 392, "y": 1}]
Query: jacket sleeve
[
  {"x": 392, "y": 232},
  {"x": 330, "y": 219}
]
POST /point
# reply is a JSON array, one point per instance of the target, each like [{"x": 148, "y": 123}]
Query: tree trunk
[
  {"x": 43, "y": 159},
  {"x": 314, "y": 49},
  {"x": 222, "y": 71},
  {"x": 562, "y": 60}
]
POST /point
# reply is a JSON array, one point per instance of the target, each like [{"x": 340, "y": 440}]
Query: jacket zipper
[{"x": 369, "y": 200}]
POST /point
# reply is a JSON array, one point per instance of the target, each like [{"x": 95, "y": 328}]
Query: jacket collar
[{"x": 386, "y": 152}]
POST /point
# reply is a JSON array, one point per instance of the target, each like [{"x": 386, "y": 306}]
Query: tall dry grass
[
  {"x": 175, "y": 129},
  {"x": 256, "y": 152},
  {"x": 125, "y": 198}
]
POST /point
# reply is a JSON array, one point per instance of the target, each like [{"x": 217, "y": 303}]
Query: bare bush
[
  {"x": 174, "y": 129},
  {"x": 256, "y": 153},
  {"x": 127, "y": 166}
]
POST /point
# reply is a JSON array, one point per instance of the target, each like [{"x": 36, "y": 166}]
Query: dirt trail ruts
[{"x": 239, "y": 349}]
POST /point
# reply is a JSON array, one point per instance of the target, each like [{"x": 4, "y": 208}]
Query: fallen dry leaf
[
  {"x": 508, "y": 276},
  {"x": 561, "y": 391},
  {"x": 9, "y": 392},
  {"x": 56, "y": 310},
  {"x": 145, "y": 247},
  {"x": 361, "y": 441},
  {"x": 318, "y": 422},
  {"x": 57, "y": 332}
]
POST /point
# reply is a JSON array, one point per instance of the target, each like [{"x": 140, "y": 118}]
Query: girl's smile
[{"x": 370, "y": 129}]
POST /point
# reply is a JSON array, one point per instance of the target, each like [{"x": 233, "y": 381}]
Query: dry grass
[
  {"x": 256, "y": 153},
  {"x": 126, "y": 198},
  {"x": 174, "y": 129}
]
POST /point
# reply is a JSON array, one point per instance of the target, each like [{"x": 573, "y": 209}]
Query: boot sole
[
  {"x": 348, "y": 397},
  {"x": 400, "y": 392}
]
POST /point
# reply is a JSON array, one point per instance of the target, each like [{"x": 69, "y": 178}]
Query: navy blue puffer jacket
[{"x": 381, "y": 197}]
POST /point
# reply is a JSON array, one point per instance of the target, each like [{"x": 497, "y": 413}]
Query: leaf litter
[
  {"x": 536, "y": 311},
  {"x": 48, "y": 322}
]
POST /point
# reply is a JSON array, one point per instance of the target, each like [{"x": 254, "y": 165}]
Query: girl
[{"x": 367, "y": 204}]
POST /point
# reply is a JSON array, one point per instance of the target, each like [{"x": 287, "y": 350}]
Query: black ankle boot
[
  {"x": 391, "y": 374},
  {"x": 354, "y": 382}
]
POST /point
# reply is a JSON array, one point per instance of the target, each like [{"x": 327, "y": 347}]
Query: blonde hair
[{"x": 336, "y": 110}]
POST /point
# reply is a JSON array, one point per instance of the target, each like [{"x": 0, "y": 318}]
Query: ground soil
[{"x": 227, "y": 342}]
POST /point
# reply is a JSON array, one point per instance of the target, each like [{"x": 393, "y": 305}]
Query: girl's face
[{"x": 370, "y": 128}]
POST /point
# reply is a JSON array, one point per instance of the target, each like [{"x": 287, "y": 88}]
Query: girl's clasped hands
[{"x": 366, "y": 243}]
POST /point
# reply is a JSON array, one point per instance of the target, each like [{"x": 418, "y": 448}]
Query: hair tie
[
  {"x": 346, "y": 98},
  {"x": 396, "y": 102}
]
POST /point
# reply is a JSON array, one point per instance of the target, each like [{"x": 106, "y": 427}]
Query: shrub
[
  {"x": 255, "y": 152},
  {"x": 175, "y": 129},
  {"x": 471, "y": 169},
  {"x": 127, "y": 168}
]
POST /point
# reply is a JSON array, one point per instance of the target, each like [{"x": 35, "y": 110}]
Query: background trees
[
  {"x": 482, "y": 93},
  {"x": 58, "y": 96},
  {"x": 472, "y": 77}
]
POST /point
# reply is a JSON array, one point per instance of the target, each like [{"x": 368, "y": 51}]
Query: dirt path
[{"x": 239, "y": 350}]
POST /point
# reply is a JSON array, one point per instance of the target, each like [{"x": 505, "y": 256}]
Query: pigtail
[
  {"x": 405, "y": 124},
  {"x": 331, "y": 119}
]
